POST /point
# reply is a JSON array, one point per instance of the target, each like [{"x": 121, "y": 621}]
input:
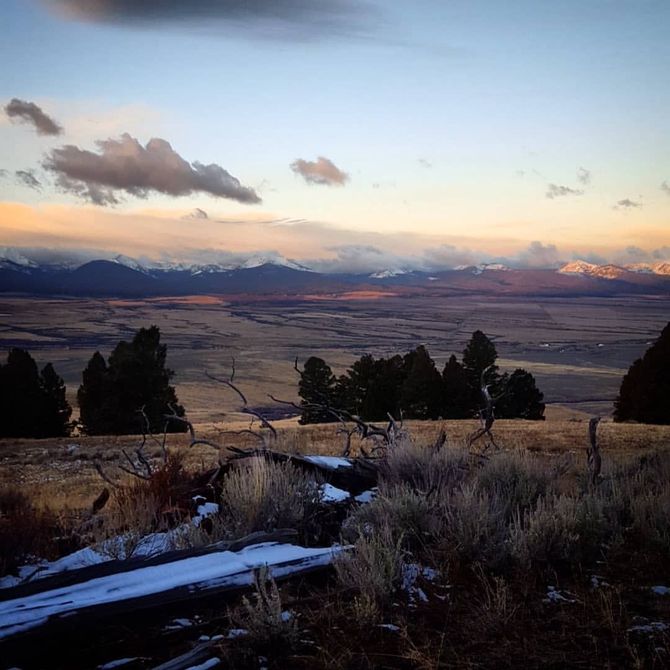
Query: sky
[{"x": 349, "y": 135}]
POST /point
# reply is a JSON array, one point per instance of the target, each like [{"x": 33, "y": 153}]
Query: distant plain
[{"x": 578, "y": 348}]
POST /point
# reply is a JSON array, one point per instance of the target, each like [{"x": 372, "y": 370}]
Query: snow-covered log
[{"x": 187, "y": 576}]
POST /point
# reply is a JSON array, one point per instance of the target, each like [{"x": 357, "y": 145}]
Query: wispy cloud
[
  {"x": 558, "y": 191},
  {"x": 30, "y": 113},
  {"x": 28, "y": 178},
  {"x": 124, "y": 165},
  {"x": 276, "y": 19},
  {"x": 321, "y": 171},
  {"x": 665, "y": 187},
  {"x": 584, "y": 176},
  {"x": 627, "y": 203},
  {"x": 196, "y": 214}
]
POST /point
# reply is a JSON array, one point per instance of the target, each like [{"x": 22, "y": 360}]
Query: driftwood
[
  {"x": 198, "y": 655},
  {"x": 594, "y": 461},
  {"x": 486, "y": 417},
  {"x": 125, "y": 587}
]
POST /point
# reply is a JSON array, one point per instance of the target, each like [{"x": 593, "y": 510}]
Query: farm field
[{"x": 577, "y": 348}]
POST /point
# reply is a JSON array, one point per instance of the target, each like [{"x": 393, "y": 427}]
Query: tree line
[
  {"x": 135, "y": 377},
  {"x": 411, "y": 386}
]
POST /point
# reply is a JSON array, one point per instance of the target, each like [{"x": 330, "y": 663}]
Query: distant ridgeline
[
  {"x": 411, "y": 387},
  {"x": 126, "y": 277}
]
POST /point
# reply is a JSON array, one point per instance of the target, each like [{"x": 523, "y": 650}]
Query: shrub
[
  {"x": 25, "y": 531},
  {"x": 474, "y": 526},
  {"x": 514, "y": 479},
  {"x": 265, "y": 620},
  {"x": 261, "y": 495},
  {"x": 426, "y": 469},
  {"x": 374, "y": 569},
  {"x": 562, "y": 532},
  {"x": 399, "y": 510}
]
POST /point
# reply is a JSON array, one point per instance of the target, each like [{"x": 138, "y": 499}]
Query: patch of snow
[
  {"x": 237, "y": 632},
  {"x": 330, "y": 462},
  {"x": 649, "y": 628},
  {"x": 386, "y": 274},
  {"x": 366, "y": 496},
  {"x": 661, "y": 590},
  {"x": 330, "y": 493},
  {"x": 389, "y": 626},
  {"x": 597, "y": 581},
  {"x": 410, "y": 574},
  {"x": 196, "y": 573},
  {"x": 178, "y": 624},
  {"x": 118, "y": 663},
  {"x": 205, "y": 510},
  {"x": 209, "y": 663},
  {"x": 286, "y": 616},
  {"x": 555, "y": 596}
]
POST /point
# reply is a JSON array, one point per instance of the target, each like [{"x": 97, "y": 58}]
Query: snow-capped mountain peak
[{"x": 387, "y": 274}]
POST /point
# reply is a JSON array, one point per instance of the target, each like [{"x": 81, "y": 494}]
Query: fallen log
[
  {"x": 354, "y": 475},
  {"x": 157, "y": 584}
]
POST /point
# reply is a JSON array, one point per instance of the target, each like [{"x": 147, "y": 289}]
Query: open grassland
[
  {"x": 60, "y": 474},
  {"x": 578, "y": 348}
]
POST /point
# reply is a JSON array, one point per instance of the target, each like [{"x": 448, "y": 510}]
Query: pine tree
[
  {"x": 33, "y": 405},
  {"x": 421, "y": 395},
  {"x": 521, "y": 398},
  {"x": 645, "y": 388},
  {"x": 317, "y": 385},
  {"x": 456, "y": 391},
  {"x": 91, "y": 397},
  {"x": 57, "y": 410},
  {"x": 135, "y": 377}
]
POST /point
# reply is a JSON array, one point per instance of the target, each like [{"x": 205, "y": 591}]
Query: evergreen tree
[
  {"x": 355, "y": 388},
  {"x": 91, "y": 397},
  {"x": 421, "y": 395},
  {"x": 134, "y": 378},
  {"x": 57, "y": 410},
  {"x": 521, "y": 398},
  {"x": 456, "y": 391},
  {"x": 317, "y": 385},
  {"x": 33, "y": 405},
  {"x": 645, "y": 388}
]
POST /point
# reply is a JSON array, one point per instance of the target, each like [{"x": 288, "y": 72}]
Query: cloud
[
  {"x": 278, "y": 19},
  {"x": 584, "y": 176},
  {"x": 557, "y": 191},
  {"x": 425, "y": 163},
  {"x": 28, "y": 112},
  {"x": 322, "y": 171},
  {"x": 627, "y": 203},
  {"x": 28, "y": 178},
  {"x": 197, "y": 213},
  {"x": 538, "y": 255},
  {"x": 125, "y": 165},
  {"x": 665, "y": 187}
]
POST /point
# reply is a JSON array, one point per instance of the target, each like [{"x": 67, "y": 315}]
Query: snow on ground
[
  {"x": 366, "y": 496},
  {"x": 199, "y": 572},
  {"x": 210, "y": 663},
  {"x": 119, "y": 663},
  {"x": 661, "y": 590},
  {"x": 330, "y": 462},
  {"x": 556, "y": 596},
  {"x": 330, "y": 493}
]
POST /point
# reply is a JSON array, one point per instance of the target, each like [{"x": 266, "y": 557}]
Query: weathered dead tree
[
  {"x": 486, "y": 417},
  {"x": 594, "y": 460}
]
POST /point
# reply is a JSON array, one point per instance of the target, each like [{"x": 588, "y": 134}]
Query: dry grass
[{"x": 61, "y": 470}]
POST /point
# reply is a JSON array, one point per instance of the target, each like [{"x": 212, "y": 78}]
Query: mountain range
[{"x": 277, "y": 276}]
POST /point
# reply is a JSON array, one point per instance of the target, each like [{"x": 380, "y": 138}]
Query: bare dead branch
[{"x": 593, "y": 458}]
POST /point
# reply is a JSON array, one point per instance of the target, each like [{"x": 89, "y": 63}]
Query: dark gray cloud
[
  {"x": 28, "y": 112},
  {"x": 124, "y": 165},
  {"x": 584, "y": 176},
  {"x": 28, "y": 178},
  {"x": 278, "y": 19},
  {"x": 665, "y": 187},
  {"x": 558, "y": 191},
  {"x": 197, "y": 213},
  {"x": 627, "y": 203},
  {"x": 321, "y": 171}
]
